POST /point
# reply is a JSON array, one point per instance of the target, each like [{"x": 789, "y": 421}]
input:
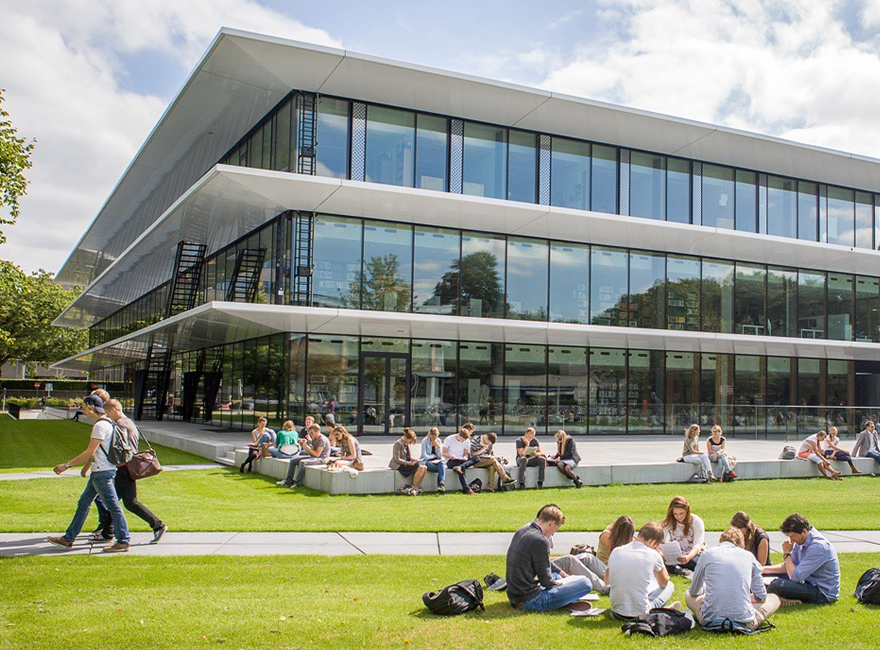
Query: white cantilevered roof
[
  {"x": 243, "y": 75},
  {"x": 229, "y": 202},
  {"x": 216, "y": 323}
]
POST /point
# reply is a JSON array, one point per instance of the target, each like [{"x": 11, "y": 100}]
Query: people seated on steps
[
  {"x": 809, "y": 572},
  {"x": 317, "y": 450},
  {"x": 529, "y": 454},
  {"x": 349, "y": 450},
  {"x": 810, "y": 451},
  {"x": 409, "y": 467},
  {"x": 566, "y": 458},
  {"x": 482, "y": 456},
  {"x": 727, "y": 585},
  {"x": 832, "y": 450},
  {"x": 532, "y": 585},
  {"x": 636, "y": 577},
  {"x": 286, "y": 442},
  {"x": 456, "y": 450},
  {"x": 431, "y": 457},
  {"x": 263, "y": 437}
]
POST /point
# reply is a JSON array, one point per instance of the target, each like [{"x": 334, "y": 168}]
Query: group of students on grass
[{"x": 731, "y": 584}]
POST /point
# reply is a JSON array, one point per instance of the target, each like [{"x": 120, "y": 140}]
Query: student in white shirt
[
  {"x": 456, "y": 451},
  {"x": 636, "y": 576}
]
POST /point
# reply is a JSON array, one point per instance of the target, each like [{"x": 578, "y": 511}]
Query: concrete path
[
  {"x": 48, "y": 473},
  {"x": 350, "y": 543}
]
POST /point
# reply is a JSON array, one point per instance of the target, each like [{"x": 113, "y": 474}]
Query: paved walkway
[
  {"x": 48, "y": 473},
  {"x": 349, "y": 543}
]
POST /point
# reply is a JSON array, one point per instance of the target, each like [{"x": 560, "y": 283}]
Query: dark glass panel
[
  {"x": 839, "y": 395},
  {"x": 608, "y": 286},
  {"x": 482, "y": 275},
  {"x": 332, "y": 368},
  {"x": 682, "y": 390},
  {"x": 525, "y": 388},
  {"x": 570, "y": 174},
  {"x": 255, "y": 149},
  {"x": 811, "y": 305},
  {"x": 485, "y": 160},
  {"x": 781, "y": 207},
  {"x": 569, "y": 283},
  {"x": 683, "y": 293},
  {"x": 607, "y": 390},
  {"x": 678, "y": 190},
  {"x": 527, "y": 270},
  {"x": 749, "y": 411},
  {"x": 296, "y": 378},
  {"x": 604, "y": 179},
  {"x": 645, "y": 393},
  {"x": 716, "y": 390},
  {"x": 647, "y": 280},
  {"x": 333, "y": 129},
  {"x": 841, "y": 216},
  {"x": 809, "y": 382},
  {"x": 746, "y": 201},
  {"x": 840, "y": 306},
  {"x": 522, "y": 168},
  {"x": 480, "y": 384},
  {"x": 337, "y": 256},
  {"x": 432, "y": 137},
  {"x": 435, "y": 270},
  {"x": 781, "y": 301},
  {"x": 433, "y": 384},
  {"x": 808, "y": 211},
  {"x": 647, "y": 185},
  {"x": 568, "y": 389},
  {"x": 749, "y": 305},
  {"x": 391, "y": 138},
  {"x": 717, "y": 296},
  {"x": 387, "y": 274},
  {"x": 718, "y": 190},
  {"x": 864, "y": 221},
  {"x": 867, "y": 323},
  {"x": 781, "y": 395},
  {"x": 266, "y": 163},
  {"x": 283, "y": 130}
]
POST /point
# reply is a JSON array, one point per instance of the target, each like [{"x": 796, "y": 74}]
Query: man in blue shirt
[{"x": 810, "y": 567}]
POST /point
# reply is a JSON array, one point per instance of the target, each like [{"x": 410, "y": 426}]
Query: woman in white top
[
  {"x": 831, "y": 449},
  {"x": 810, "y": 451},
  {"x": 686, "y": 528},
  {"x": 691, "y": 453},
  {"x": 715, "y": 445}
]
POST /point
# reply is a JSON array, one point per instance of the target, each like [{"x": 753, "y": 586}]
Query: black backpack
[
  {"x": 660, "y": 621},
  {"x": 464, "y": 596},
  {"x": 868, "y": 587}
]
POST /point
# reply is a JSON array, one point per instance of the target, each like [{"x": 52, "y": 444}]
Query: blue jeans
[
  {"x": 277, "y": 453},
  {"x": 437, "y": 466},
  {"x": 873, "y": 454},
  {"x": 101, "y": 484},
  {"x": 785, "y": 588},
  {"x": 573, "y": 588},
  {"x": 720, "y": 465}
]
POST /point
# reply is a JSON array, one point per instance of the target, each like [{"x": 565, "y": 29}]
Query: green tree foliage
[
  {"x": 28, "y": 305},
  {"x": 479, "y": 280},
  {"x": 385, "y": 288},
  {"x": 15, "y": 158}
]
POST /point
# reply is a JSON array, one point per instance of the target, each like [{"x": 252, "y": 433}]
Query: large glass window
[
  {"x": 682, "y": 387},
  {"x": 746, "y": 201},
  {"x": 647, "y": 280},
  {"x": 332, "y": 369},
  {"x": 864, "y": 221},
  {"x": 568, "y": 389},
  {"x": 527, "y": 270},
  {"x": 482, "y": 275},
  {"x": 647, "y": 185},
  {"x": 283, "y": 145},
  {"x": 678, "y": 190},
  {"x": 750, "y": 305},
  {"x": 569, "y": 283},
  {"x": 781, "y": 395},
  {"x": 811, "y": 305},
  {"x": 838, "y": 395},
  {"x": 570, "y": 174},
  {"x": 810, "y": 384},
  {"x": 808, "y": 211},
  {"x": 480, "y": 383},
  {"x": 749, "y": 389},
  {"x": 604, "y": 180},
  {"x": 608, "y": 399},
  {"x": 333, "y": 129},
  {"x": 296, "y": 377},
  {"x": 718, "y": 201},
  {"x": 717, "y": 296},
  {"x": 867, "y": 323},
  {"x": 432, "y": 144},
  {"x": 840, "y": 306},
  {"x": 485, "y": 160},
  {"x": 525, "y": 388},
  {"x": 781, "y": 207},
  {"x": 841, "y": 216},
  {"x": 781, "y": 301},
  {"x": 716, "y": 390},
  {"x": 522, "y": 168},
  {"x": 683, "y": 293},
  {"x": 387, "y": 275},
  {"x": 645, "y": 391},
  {"x": 337, "y": 256},
  {"x": 436, "y": 270},
  {"x": 608, "y": 287},
  {"x": 433, "y": 384},
  {"x": 391, "y": 137}
]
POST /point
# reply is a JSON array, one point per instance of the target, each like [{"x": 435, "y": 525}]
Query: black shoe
[
  {"x": 540, "y": 484},
  {"x": 241, "y": 469},
  {"x": 157, "y": 534},
  {"x": 578, "y": 483}
]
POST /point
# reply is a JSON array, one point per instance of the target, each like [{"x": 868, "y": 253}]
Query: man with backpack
[{"x": 101, "y": 480}]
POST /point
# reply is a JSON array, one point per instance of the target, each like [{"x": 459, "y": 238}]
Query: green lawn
[
  {"x": 42, "y": 444},
  {"x": 223, "y": 499},
  {"x": 342, "y": 602}
]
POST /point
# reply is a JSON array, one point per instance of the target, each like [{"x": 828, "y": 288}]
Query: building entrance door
[{"x": 383, "y": 393}]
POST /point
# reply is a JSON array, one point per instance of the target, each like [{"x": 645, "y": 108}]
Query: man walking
[
  {"x": 101, "y": 480},
  {"x": 317, "y": 451}
]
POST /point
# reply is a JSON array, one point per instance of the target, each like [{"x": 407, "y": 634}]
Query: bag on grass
[
  {"x": 732, "y": 627},
  {"x": 476, "y": 485},
  {"x": 868, "y": 587},
  {"x": 464, "y": 596},
  {"x": 660, "y": 621}
]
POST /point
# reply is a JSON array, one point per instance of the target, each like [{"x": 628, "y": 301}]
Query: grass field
[
  {"x": 361, "y": 602},
  {"x": 42, "y": 444}
]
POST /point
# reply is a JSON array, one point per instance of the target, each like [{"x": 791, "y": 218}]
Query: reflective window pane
[
  {"x": 432, "y": 169},
  {"x": 781, "y": 394},
  {"x": 332, "y": 371},
  {"x": 683, "y": 293},
  {"x": 255, "y": 149},
  {"x": 567, "y": 392},
  {"x": 864, "y": 221},
  {"x": 645, "y": 391},
  {"x": 840, "y": 306},
  {"x": 647, "y": 185},
  {"x": 678, "y": 190},
  {"x": 607, "y": 391},
  {"x": 811, "y": 305},
  {"x": 717, "y": 296},
  {"x": 527, "y": 275},
  {"x": 781, "y": 301},
  {"x": 867, "y": 325},
  {"x": 522, "y": 168},
  {"x": 482, "y": 275},
  {"x": 433, "y": 385},
  {"x": 647, "y": 280},
  {"x": 749, "y": 304},
  {"x": 337, "y": 258},
  {"x": 716, "y": 391},
  {"x": 387, "y": 276},
  {"x": 608, "y": 286},
  {"x": 570, "y": 174},
  {"x": 435, "y": 270},
  {"x": 390, "y": 146},
  {"x": 569, "y": 283},
  {"x": 749, "y": 390},
  {"x": 841, "y": 216},
  {"x": 718, "y": 203},
  {"x": 808, "y": 211},
  {"x": 604, "y": 179},
  {"x": 525, "y": 389},
  {"x": 682, "y": 387},
  {"x": 283, "y": 130},
  {"x": 809, "y": 384},
  {"x": 781, "y": 207},
  {"x": 332, "y": 147},
  {"x": 480, "y": 383},
  {"x": 485, "y": 160},
  {"x": 746, "y": 201}
]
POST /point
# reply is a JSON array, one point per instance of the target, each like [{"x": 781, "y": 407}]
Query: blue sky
[{"x": 88, "y": 79}]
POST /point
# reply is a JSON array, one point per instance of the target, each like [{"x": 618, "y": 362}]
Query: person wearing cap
[{"x": 101, "y": 480}]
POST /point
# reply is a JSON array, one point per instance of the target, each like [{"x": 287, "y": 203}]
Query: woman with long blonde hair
[
  {"x": 566, "y": 458},
  {"x": 691, "y": 454},
  {"x": 349, "y": 448}
]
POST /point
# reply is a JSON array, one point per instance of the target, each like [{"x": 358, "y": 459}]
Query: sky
[{"x": 88, "y": 79}]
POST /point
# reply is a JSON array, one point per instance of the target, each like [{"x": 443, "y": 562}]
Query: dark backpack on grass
[
  {"x": 660, "y": 621},
  {"x": 464, "y": 596},
  {"x": 868, "y": 587}
]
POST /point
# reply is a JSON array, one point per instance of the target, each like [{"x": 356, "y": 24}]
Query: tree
[
  {"x": 480, "y": 280},
  {"x": 15, "y": 158},
  {"x": 385, "y": 289},
  {"x": 28, "y": 305}
]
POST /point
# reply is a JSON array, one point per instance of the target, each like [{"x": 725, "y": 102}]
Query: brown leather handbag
[{"x": 144, "y": 463}]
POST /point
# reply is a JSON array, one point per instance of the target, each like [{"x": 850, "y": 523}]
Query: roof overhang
[
  {"x": 229, "y": 202},
  {"x": 243, "y": 75},
  {"x": 217, "y": 323}
]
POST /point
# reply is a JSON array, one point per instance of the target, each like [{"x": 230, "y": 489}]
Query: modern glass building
[{"x": 309, "y": 230}]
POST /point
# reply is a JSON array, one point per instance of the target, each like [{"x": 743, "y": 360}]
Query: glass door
[{"x": 384, "y": 392}]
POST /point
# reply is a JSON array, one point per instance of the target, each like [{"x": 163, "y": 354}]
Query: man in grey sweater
[{"x": 531, "y": 585}]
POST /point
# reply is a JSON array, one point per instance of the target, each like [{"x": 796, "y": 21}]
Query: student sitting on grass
[
  {"x": 529, "y": 454},
  {"x": 286, "y": 442},
  {"x": 566, "y": 458},
  {"x": 637, "y": 579},
  {"x": 755, "y": 539},
  {"x": 619, "y": 533},
  {"x": 403, "y": 462},
  {"x": 482, "y": 456},
  {"x": 831, "y": 449},
  {"x": 727, "y": 587},
  {"x": 432, "y": 457},
  {"x": 810, "y": 451},
  {"x": 531, "y": 585},
  {"x": 686, "y": 528},
  {"x": 810, "y": 571},
  {"x": 456, "y": 450}
]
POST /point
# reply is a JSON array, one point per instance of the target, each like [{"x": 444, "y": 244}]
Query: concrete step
[{"x": 228, "y": 458}]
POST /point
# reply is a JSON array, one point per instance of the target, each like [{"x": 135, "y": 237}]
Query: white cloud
[{"x": 61, "y": 73}]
